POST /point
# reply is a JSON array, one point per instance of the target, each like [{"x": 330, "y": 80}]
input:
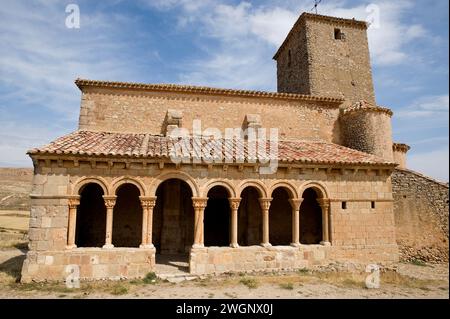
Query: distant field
[
  {"x": 15, "y": 188},
  {"x": 14, "y": 220}
]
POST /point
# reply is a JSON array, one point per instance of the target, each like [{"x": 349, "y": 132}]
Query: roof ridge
[{"x": 81, "y": 83}]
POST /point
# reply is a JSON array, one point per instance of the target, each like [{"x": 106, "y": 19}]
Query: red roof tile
[{"x": 89, "y": 143}]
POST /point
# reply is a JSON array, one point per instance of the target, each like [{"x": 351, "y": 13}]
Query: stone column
[
  {"x": 265, "y": 205},
  {"x": 147, "y": 203},
  {"x": 71, "y": 228},
  {"x": 199, "y": 209},
  {"x": 234, "y": 205},
  {"x": 295, "y": 204},
  {"x": 110, "y": 201},
  {"x": 325, "y": 205}
]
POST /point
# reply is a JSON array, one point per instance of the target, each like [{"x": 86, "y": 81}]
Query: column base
[
  {"x": 266, "y": 245},
  {"x": 325, "y": 243},
  {"x": 296, "y": 244},
  {"x": 147, "y": 246},
  {"x": 68, "y": 247},
  {"x": 198, "y": 246},
  {"x": 234, "y": 245},
  {"x": 108, "y": 246}
]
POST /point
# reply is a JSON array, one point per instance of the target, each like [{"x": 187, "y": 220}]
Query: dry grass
[{"x": 251, "y": 283}]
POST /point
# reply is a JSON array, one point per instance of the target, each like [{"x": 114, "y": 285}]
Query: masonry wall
[
  {"x": 293, "y": 64},
  {"x": 421, "y": 216},
  {"x": 144, "y": 112}
]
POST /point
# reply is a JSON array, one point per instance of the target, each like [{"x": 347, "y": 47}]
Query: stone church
[{"x": 124, "y": 191}]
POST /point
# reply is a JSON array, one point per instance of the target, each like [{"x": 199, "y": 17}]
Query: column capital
[
  {"x": 199, "y": 202},
  {"x": 74, "y": 201},
  {"x": 147, "y": 201},
  {"x": 110, "y": 200},
  {"x": 323, "y": 202},
  {"x": 296, "y": 202},
  {"x": 234, "y": 202},
  {"x": 265, "y": 203}
]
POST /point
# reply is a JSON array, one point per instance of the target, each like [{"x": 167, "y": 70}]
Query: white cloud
[
  {"x": 434, "y": 163},
  {"x": 41, "y": 57},
  {"x": 426, "y": 107},
  {"x": 252, "y": 32}
]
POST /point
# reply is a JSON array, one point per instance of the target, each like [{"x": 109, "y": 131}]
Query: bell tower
[{"x": 326, "y": 56}]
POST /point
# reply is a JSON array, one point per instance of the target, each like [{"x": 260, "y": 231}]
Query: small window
[
  {"x": 338, "y": 35},
  {"x": 289, "y": 58},
  {"x": 372, "y": 204},
  {"x": 344, "y": 205}
]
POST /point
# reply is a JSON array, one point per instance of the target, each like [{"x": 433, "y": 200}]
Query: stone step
[{"x": 177, "y": 277}]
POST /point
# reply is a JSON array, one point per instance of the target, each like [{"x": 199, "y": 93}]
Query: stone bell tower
[{"x": 326, "y": 56}]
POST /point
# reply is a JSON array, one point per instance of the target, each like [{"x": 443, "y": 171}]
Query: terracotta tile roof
[
  {"x": 366, "y": 106},
  {"x": 82, "y": 83},
  {"x": 87, "y": 143}
]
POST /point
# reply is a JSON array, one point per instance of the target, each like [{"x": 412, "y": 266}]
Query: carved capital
[
  {"x": 265, "y": 203},
  {"x": 148, "y": 202},
  {"x": 199, "y": 202},
  {"x": 234, "y": 203},
  {"x": 110, "y": 201},
  {"x": 295, "y": 203},
  {"x": 74, "y": 202},
  {"x": 323, "y": 203}
]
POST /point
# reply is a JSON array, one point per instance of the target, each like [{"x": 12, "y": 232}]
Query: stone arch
[
  {"x": 319, "y": 188},
  {"x": 174, "y": 175},
  {"x": 88, "y": 180},
  {"x": 262, "y": 189},
  {"x": 225, "y": 184},
  {"x": 128, "y": 180},
  {"x": 292, "y": 191}
]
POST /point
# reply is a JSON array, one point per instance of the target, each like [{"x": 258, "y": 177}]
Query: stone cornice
[
  {"x": 190, "y": 89},
  {"x": 59, "y": 159},
  {"x": 400, "y": 147}
]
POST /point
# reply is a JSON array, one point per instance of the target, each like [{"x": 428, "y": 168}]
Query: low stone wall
[
  {"x": 421, "y": 216},
  {"x": 377, "y": 254},
  {"x": 215, "y": 260},
  {"x": 93, "y": 263}
]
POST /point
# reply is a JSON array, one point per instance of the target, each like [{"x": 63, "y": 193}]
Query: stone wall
[
  {"x": 368, "y": 131},
  {"x": 93, "y": 264},
  {"x": 130, "y": 111},
  {"x": 293, "y": 64},
  {"x": 215, "y": 260},
  {"x": 421, "y": 216}
]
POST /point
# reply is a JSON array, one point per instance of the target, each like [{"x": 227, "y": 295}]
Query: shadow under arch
[
  {"x": 90, "y": 226},
  {"x": 175, "y": 175},
  {"x": 311, "y": 217}
]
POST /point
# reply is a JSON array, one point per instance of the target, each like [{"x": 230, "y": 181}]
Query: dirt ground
[{"x": 405, "y": 281}]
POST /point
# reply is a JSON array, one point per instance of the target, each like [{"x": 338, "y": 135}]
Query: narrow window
[
  {"x": 338, "y": 35},
  {"x": 373, "y": 205},
  {"x": 344, "y": 205}
]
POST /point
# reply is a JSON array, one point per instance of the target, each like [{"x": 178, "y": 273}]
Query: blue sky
[{"x": 215, "y": 43}]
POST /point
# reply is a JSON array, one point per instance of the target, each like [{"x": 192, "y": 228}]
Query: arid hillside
[{"x": 15, "y": 187}]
